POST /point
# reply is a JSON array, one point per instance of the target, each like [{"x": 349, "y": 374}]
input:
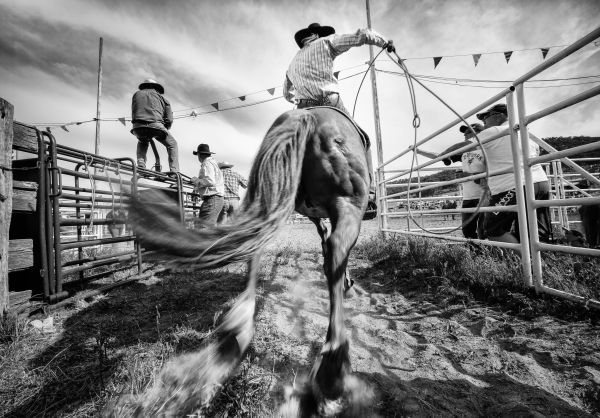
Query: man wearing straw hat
[
  {"x": 231, "y": 200},
  {"x": 209, "y": 185},
  {"x": 152, "y": 118},
  {"x": 309, "y": 80}
]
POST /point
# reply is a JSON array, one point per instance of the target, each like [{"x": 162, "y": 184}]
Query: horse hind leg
[
  {"x": 192, "y": 380},
  {"x": 324, "y": 234},
  {"x": 333, "y": 364}
]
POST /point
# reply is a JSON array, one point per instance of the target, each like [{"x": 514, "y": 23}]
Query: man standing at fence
[
  {"x": 152, "y": 118},
  {"x": 209, "y": 185},
  {"x": 499, "y": 225},
  {"x": 472, "y": 162},
  {"x": 310, "y": 81},
  {"x": 231, "y": 200}
]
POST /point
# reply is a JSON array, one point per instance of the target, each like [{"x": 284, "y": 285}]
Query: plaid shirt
[
  {"x": 232, "y": 180},
  {"x": 310, "y": 74}
]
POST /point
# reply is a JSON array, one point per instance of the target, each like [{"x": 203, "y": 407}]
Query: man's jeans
[
  {"x": 210, "y": 209},
  {"x": 144, "y": 134}
]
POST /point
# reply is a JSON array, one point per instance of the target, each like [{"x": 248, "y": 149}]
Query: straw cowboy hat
[
  {"x": 322, "y": 31},
  {"x": 152, "y": 84},
  {"x": 225, "y": 164},
  {"x": 203, "y": 149}
]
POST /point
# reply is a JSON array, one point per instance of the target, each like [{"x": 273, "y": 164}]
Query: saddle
[{"x": 363, "y": 135}]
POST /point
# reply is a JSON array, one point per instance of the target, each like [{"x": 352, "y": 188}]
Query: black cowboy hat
[
  {"x": 313, "y": 28},
  {"x": 150, "y": 83},
  {"x": 497, "y": 108},
  {"x": 203, "y": 149}
]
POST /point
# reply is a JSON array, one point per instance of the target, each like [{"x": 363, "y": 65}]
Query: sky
[{"x": 207, "y": 51}]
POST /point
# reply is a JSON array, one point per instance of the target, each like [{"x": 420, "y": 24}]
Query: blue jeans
[
  {"x": 144, "y": 134},
  {"x": 210, "y": 209}
]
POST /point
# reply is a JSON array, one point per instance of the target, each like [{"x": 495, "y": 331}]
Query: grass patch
[{"x": 458, "y": 273}]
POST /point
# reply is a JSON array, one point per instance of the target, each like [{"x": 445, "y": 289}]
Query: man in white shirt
[
  {"x": 209, "y": 185},
  {"x": 499, "y": 225}
]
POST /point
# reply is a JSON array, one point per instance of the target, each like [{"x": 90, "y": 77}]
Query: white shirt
[
  {"x": 472, "y": 162},
  {"x": 499, "y": 156},
  {"x": 210, "y": 179}
]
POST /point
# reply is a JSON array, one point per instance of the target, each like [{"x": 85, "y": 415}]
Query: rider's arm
[{"x": 342, "y": 43}]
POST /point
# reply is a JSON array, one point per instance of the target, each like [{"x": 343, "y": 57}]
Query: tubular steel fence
[
  {"x": 566, "y": 194},
  {"x": 79, "y": 209}
]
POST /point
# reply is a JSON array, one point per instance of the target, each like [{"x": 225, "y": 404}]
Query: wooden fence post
[{"x": 6, "y": 142}]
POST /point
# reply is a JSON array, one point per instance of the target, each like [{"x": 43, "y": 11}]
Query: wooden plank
[
  {"x": 20, "y": 254},
  {"x": 18, "y": 298},
  {"x": 25, "y": 138},
  {"x": 6, "y": 144},
  {"x": 24, "y": 185},
  {"x": 24, "y": 200}
]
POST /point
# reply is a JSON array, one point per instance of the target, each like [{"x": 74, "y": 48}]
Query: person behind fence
[
  {"x": 152, "y": 117},
  {"x": 310, "y": 80},
  {"x": 472, "y": 162},
  {"x": 504, "y": 226},
  {"x": 209, "y": 185},
  {"x": 231, "y": 200}
]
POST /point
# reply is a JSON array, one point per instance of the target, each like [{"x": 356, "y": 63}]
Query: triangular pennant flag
[
  {"x": 476, "y": 59},
  {"x": 215, "y": 105},
  {"x": 545, "y": 52},
  {"x": 122, "y": 120},
  {"x": 507, "y": 55},
  {"x": 436, "y": 61},
  {"x": 271, "y": 91},
  {"x": 242, "y": 98},
  {"x": 48, "y": 129},
  {"x": 64, "y": 128},
  {"x": 336, "y": 74},
  {"x": 193, "y": 114}
]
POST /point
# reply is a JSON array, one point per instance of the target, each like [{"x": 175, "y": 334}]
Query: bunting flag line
[
  {"x": 64, "y": 128},
  {"x": 122, "y": 120},
  {"x": 545, "y": 52},
  {"x": 242, "y": 98},
  {"x": 476, "y": 59},
  {"x": 215, "y": 105},
  {"x": 507, "y": 55},
  {"x": 193, "y": 114},
  {"x": 271, "y": 91},
  {"x": 335, "y": 74},
  {"x": 436, "y": 61}
]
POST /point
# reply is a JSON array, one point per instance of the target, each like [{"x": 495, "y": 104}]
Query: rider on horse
[{"x": 310, "y": 80}]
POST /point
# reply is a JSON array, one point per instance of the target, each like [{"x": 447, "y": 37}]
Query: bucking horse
[{"x": 312, "y": 161}]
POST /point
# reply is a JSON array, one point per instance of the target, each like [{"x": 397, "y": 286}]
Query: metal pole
[
  {"x": 382, "y": 206},
  {"x": 97, "y": 142}
]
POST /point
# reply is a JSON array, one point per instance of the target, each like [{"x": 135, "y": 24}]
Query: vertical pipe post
[
  {"x": 521, "y": 196},
  {"x": 534, "y": 240},
  {"x": 99, "y": 94},
  {"x": 380, "y": 177}
]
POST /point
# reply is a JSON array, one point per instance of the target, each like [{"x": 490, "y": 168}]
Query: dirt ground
[{"x": 412, "y": 355}]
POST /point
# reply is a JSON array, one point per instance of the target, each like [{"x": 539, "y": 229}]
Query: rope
[{"x": 416, "y": 122}]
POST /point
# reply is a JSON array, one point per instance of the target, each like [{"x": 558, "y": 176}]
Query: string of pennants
[
  {"x": 507, "y": 55},
  {"x": 217, "y": 105}
]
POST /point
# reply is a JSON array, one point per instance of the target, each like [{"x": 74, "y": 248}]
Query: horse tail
[{"x": 269, "y": 201}]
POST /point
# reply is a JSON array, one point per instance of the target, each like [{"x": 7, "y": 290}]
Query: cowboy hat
[
  {"x": 316, "y": 28},
  {"x": 203, "y": 149},
  {"x": 152, "y": 84},
  {"x": 225, "y": 164},
  {"x": 497, "y": 108}
]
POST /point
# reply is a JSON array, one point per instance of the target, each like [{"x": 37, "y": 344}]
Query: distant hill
[{"x": 558, "y": 142}]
